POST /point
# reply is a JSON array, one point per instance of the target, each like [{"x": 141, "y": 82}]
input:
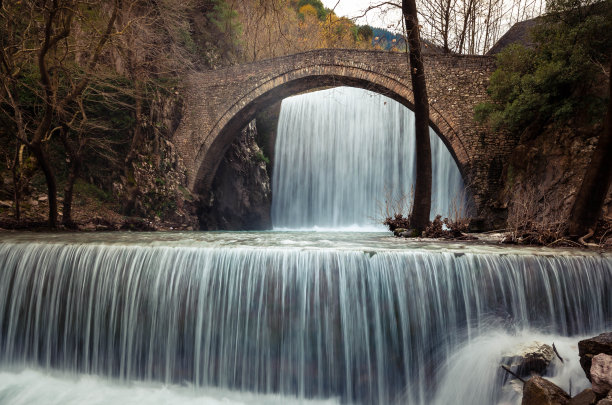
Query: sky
[{"x": 353, "y": 8}]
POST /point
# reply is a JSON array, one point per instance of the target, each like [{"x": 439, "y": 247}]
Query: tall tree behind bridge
[{"x": 422, "y": 190}]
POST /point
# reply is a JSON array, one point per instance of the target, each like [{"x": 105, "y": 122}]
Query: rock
[
  {"x": 590, "y": 347},
  {"x": 43, "y": 198},
  {"x": 137, "y": 224},
  {"x": 601, "y": 373},
  {"x": 6, "y": 204},
  {"x": 241, "y": 192},
  {"x": 88, "y": 227},
  {"x": 405, "y": 233},
  {"x": 607, "y": 400},
  {"x": 399, "y": 231},
  {"x": 528, "y": 359},
  {"x": 586, "y": 397},
  {"x": 539, "y": 391}
]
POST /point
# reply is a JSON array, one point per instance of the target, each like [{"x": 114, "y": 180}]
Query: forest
[{"x": 92, "y": 92}]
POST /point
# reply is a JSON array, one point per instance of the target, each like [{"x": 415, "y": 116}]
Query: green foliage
[
  {"x": 225, "y": 18},
  {"x": 261, "y": 157},
  {"x": 365, "y": 33},
  {"x": 85, "y": 189},
  {"x": 187, "y": 40},
  {"x": 318, "y": 6},
  {"x": 557, "y": 80}
]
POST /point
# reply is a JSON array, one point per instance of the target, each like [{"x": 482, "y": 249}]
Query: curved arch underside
[{"x": 222, "y": 102}]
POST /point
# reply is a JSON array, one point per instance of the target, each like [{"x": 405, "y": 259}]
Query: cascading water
[
  {"x": 276, "y": 317},
  {"x": 340, "y": 153}
]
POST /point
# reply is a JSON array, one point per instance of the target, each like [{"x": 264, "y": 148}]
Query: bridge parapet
[{"x": 221, "y": 102}]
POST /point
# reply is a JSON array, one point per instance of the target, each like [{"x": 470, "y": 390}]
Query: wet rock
[
  {"x": 601, "y": 373},
  {"x": 539, "y": 391},
  {"x": 241, "y": 194},
  {"x": 589, "y": 348},
  {"x": 410, "y": 233},
  {"x": 137, "y": 224},
  {"x": 399, "y": 231},
  {"x": 405, "y": 233},
  {"x": 607, "y": 400},
  {"x": 529, "y": 359},
  {"x": 586, "y": 397}
]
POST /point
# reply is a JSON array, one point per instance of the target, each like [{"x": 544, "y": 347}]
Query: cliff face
[
  {"x": 545, "y": 172},
  {"x": 241, "y": 194}
]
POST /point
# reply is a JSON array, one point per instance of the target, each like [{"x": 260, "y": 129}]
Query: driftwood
[
  {"x": 507, "y": 369},
  {"x": 587, "y": 236},
  {"x": 557, "y": 353}
]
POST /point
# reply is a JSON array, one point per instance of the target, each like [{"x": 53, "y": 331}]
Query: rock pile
[{"x": 596, "y": 361}]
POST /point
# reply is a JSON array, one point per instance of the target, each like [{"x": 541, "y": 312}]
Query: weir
[
  {"x": 345, "y": 155},
  {"x": 363, "y": 319},
  {"x": 296, "y": 317}
]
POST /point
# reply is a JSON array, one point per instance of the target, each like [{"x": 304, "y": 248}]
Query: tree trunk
[
  {"x": 75, "y": 167},
  {"x": 43, "y": 162},
  {"x": 68, "y": 193},
  {"x": 422, "y": 190},
  {"x": 596, "y": 182},
  {"x": 16, "y": 183}
]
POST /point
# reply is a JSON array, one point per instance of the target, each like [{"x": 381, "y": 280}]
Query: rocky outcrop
[
  {"x": 539, "y": 391},
  {"x": 586, "y": 397},
  {"x": 589, "y": 348},
  {"x": 601, "y": 374},
  {"x": 607, "y": 400},
  {"x": 240, "y": 196},
  {"x": 529, "y": 359},
  {"x": 544, "y": 173}
]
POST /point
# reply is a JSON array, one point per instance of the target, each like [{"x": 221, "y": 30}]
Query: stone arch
[{"x": 299, "y": 79}]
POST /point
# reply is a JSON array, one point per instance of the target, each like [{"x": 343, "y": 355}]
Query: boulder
[
  {"x": 590, "y": 347},
  {"x": 586, "y": 397},
  {"x": 399, "y": 231},
  {"x": 539, "y": 391},
  {"x": 601, "y": 374},
  {"x": 607, "y": 400},
  {"x": 528, "y": 359}
]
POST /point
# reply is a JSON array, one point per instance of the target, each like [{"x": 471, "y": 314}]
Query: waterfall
[
  {"x": 341, "y": 153},
  {"x": 313, "y": 323}
]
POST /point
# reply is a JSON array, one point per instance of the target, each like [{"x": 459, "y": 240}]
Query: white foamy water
[
  {"x": 27, "y": 387},
  {"x": 341, "y": 152},
  {"x": 237, "y": 317}
]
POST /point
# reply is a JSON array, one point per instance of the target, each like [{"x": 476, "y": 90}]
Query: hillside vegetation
[{"x": 91, "y": 95}]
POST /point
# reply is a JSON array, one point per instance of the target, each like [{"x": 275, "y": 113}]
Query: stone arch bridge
[{"x": 219, "y": 103}]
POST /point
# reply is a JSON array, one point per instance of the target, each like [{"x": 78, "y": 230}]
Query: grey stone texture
[{"x": 219, "y": 103}]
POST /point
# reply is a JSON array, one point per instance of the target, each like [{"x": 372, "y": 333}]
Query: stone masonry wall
[{"x": 220, "y": 103}]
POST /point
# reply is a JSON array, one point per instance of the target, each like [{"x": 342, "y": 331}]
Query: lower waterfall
[
  {"x": 285, "y": 320},
  {"x": 341, "y": 153}
]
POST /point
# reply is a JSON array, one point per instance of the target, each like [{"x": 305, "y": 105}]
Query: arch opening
[{"x": 243, "y": 111}]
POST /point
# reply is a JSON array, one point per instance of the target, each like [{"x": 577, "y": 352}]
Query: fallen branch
[
  {"x": 512, "y": 373},
  {"x": 557, "y": 353},
  {"x": 585, "y": 237},
  {"x": 565, "y": 241}
]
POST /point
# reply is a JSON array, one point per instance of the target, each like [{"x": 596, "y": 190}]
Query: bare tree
[{"x": 43, "y": 39}]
